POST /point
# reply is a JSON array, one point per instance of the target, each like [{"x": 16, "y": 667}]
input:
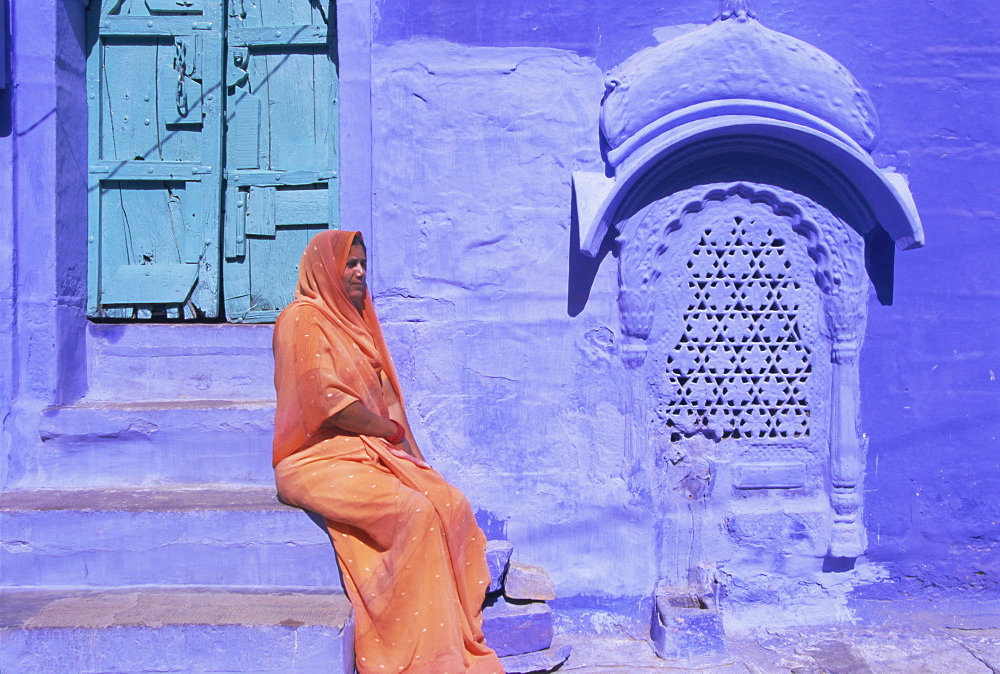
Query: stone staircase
[{"x": 147, "y": 537}]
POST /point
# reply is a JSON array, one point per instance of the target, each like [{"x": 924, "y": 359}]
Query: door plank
[
  {"x": 149, "y": 170},
  {"x": 260, "y": 211},
  {"x": 154, "y": 199},
  {"x": 278, "y": 36},
  {"x": 243, "y": 135},
  {"x": 174, "y": 6},
  {"x": 292, "y": 187},
  {"x": 300, "y": 206},
  {"x": 129, "y": 69}
]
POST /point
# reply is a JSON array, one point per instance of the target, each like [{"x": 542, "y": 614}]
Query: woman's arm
[
  {"x": 356, "y": 418},
  {"x": 398, "y": 414}
]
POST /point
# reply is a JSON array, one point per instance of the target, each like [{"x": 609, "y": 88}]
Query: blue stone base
[
  {"x": 513, "y": 629},
  {"x": 687, "y": 635}
]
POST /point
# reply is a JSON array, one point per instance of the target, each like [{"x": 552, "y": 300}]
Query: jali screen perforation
[{"x": 740, "y": 368}]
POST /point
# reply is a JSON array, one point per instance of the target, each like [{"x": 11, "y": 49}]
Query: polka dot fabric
[{"x": 410, "y": 551}]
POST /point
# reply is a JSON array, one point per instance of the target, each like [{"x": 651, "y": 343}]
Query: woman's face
[{"x": 355, "y": 275}]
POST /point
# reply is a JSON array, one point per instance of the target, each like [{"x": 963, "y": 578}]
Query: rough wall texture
[
  {"x": 520, "y": 403},
  {"x": 43, "y": 178},
  {"x": 480, "y": 115}
]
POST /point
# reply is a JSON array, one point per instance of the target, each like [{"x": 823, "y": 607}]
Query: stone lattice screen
[{"x": 741, "y": 366}]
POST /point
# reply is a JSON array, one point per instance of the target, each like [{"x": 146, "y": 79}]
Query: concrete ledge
[
  {"x": 175, "y": 630},
  {"x": 145, "y": 536}
]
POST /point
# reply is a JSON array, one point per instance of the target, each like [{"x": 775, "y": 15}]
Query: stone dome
[{"x": 734, "y": 59}]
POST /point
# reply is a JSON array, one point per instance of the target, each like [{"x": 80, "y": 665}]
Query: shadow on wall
[
  {"x": 6, "y": 81},
  {"x": 582, "y": 267},
  {"x": 5, "y": 116}
]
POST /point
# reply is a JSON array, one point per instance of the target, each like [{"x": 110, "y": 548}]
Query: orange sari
[{"x": 410, "y": 552}]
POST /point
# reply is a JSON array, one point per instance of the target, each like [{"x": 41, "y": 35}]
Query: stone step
[
  {"x": 151, "y": 443},
  {"x": 151, "y": 361},
  {"x": 515, "y": 629},
  {"x": 158, "y": 536},
  {"x": 175, "y": 630},
  {"x": 545, "y": 660}
]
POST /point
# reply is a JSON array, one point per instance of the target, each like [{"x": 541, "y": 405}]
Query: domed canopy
[
  {"x": 735, "y": 88},
  {"x": 735, "y": 59}
]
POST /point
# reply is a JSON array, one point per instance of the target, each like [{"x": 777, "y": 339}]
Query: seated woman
[{"x": 411, "y": 554}]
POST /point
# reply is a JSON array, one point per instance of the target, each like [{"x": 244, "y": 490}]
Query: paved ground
[
  {"x": 891, "y": 638},
  {"x": 902, "y": 637}
]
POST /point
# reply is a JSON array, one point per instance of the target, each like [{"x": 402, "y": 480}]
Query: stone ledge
[
  {"x": 175, "y": 498},
  {"x": 114, "y": 419},
  {"x": 195, "y": 535},
  {"x": 168, "y": 630},
  {"x": 156, "y": 607},
  {"x": 153, "y": 442}
]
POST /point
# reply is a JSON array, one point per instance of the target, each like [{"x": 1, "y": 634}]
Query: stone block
[
  {"x": 539, "y": 661},
  {"x": 770, "y": 475},
  {"x": 514, "y": 629},
  {"x": 528, "y": 582},
  {"x": 686, "y": 632},
  {"x": 804, "y": 530},
  {"x": 497, "y": 558},
  {"x": 135, "y": 444}
]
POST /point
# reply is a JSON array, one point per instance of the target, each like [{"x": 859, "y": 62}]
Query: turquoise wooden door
[
  {"x": 281, "y": 149},
  {"x": 155, "y": 158},
  {"x": 211, "y": 162}
]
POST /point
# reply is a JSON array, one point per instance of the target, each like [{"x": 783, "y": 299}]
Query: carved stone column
[
  {"x": 635, "y": 301},
  {"x": 845, "y": 318}
]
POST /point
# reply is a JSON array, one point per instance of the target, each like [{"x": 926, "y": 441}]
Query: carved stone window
[{"x": 748, "y": 217}]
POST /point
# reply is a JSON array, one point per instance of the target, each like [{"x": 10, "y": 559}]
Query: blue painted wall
[
  {"x": 474, "y": 115},
  {"x": 488, "y": 106}
]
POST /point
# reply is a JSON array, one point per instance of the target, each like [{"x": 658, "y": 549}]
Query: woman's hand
[{"x": 404, "y": 451}]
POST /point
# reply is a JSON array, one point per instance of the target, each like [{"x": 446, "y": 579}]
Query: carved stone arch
[{"x": 831, "y": 244}]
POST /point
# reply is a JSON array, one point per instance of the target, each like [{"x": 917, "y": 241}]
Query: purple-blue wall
[
  {"x": 43, "y": 215},
  {"x": 493, "y": 103},
  {"x": 474, "y": 115}
]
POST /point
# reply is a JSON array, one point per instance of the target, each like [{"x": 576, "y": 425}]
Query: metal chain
[{"x": 181, "y": 66}]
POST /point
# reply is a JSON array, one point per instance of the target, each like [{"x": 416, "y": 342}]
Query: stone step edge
[
  {"x": 162, "y": 405},
  {"x": 108, "y": 420},
  {"x": 173, "y": 498},
  {"x": 155, "y": 607}
]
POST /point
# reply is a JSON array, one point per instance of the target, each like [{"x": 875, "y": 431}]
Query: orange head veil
[{"x": 315, "y": 365}]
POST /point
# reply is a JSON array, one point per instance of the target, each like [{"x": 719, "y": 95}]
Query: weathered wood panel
[
  {"x": 281, "y": 152},
  {"x": 174, "y": 186},
  {"x": 155, "y": 86}
]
